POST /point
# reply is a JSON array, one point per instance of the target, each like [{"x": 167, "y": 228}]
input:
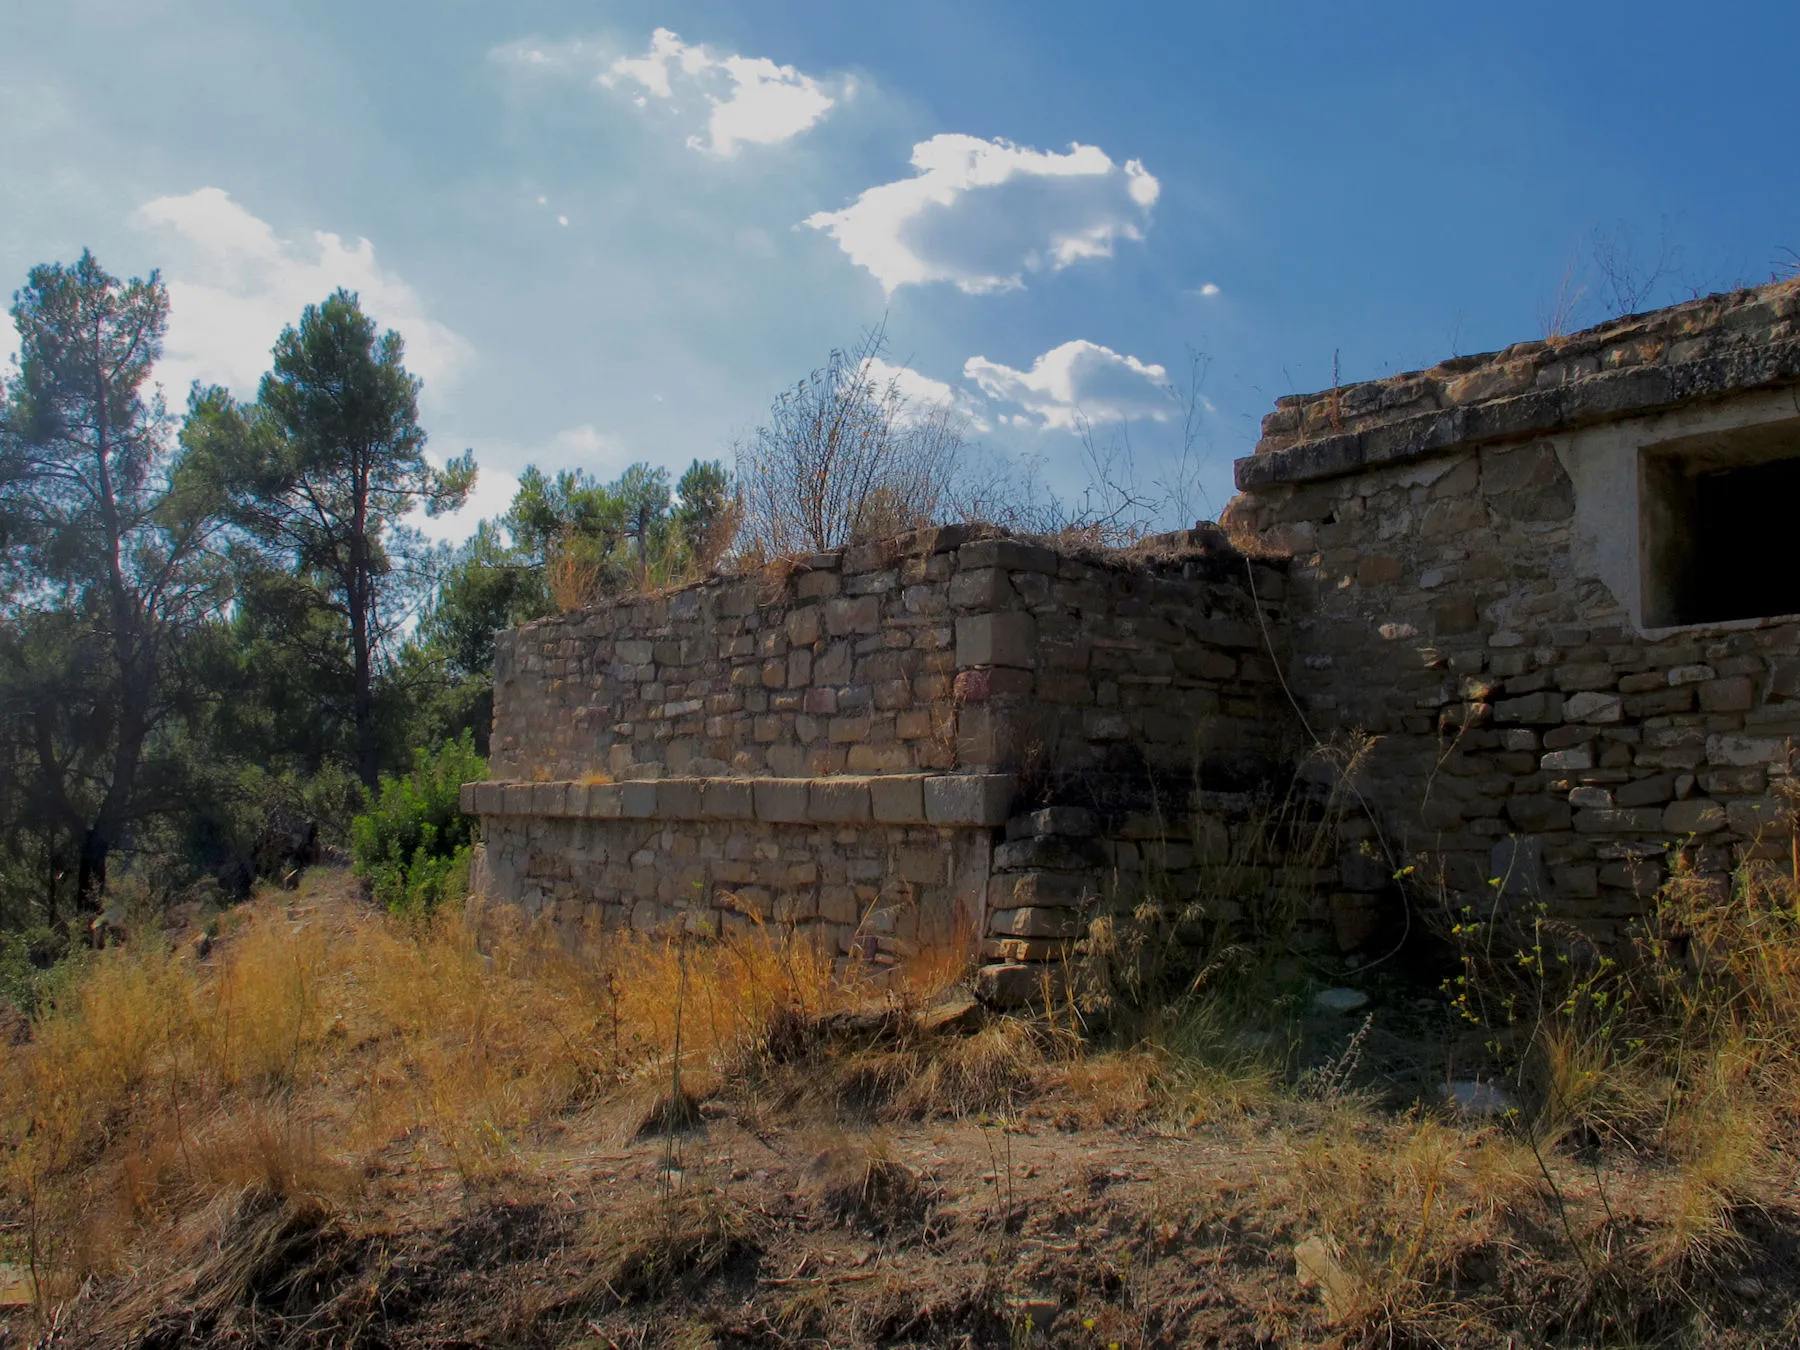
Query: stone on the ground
[
  {"x": 1340, "y": 1000},
  {"x": 1477, "y": 1100}
]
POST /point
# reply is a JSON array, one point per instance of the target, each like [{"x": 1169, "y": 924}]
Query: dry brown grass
[
  {"x": 241, "y": 1130},
  {"x": 326, "y": 1040}
]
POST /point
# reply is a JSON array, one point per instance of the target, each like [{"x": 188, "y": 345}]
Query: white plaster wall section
[{"x": 1602, "y": 463}]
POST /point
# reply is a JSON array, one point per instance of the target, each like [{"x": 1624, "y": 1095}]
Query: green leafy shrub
[{"x": 413, "y": 844}]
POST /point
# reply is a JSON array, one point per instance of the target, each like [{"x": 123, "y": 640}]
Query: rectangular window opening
[{"x": 1717, "y": 526}]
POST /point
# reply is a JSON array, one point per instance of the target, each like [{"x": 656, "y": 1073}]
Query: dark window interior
[
  {"x": 1745, "y": 534},
  {"x": 1719, "y": 538}
]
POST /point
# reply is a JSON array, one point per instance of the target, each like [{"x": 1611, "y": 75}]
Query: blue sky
[{"x": 605, "y": 245}]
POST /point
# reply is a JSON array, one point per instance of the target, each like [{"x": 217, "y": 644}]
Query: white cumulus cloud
[
  {"x": 234, "y": 284},
  {"x": 749, "y": 100},
  {"x": 981, "y": 214},
  {"x": 922, "y": 394},
  {"x": 1077, "y": 380}
]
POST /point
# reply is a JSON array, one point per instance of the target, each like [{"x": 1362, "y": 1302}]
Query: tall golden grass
[{"x": 324, "y": 1042}]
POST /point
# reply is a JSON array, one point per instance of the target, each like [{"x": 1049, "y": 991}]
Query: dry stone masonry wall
[
  {"x": 835, "y": 744},
  {"x": 1477, "y": 550}
]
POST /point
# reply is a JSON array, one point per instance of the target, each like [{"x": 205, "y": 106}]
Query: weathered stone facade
[
  {"x": 1477, "y": 550},
  {"x": 835, "y": 743},
  {"x": 1550, "y": 583}
]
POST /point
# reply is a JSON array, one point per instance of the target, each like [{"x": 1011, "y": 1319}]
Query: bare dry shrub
[{"x": 845, "y": 457}]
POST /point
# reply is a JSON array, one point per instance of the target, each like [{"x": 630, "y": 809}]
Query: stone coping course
[
  {"x": 1632, "y": 366},
  {"x": 960, "y": 801}
]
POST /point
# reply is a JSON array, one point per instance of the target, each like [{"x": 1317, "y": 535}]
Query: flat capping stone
[
  {"x": 950, "y": 801},
  {"x": 1608, "y": 396}
]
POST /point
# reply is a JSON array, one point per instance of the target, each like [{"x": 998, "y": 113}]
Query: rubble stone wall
[
  {"x": 837, "y": 743},
  {"x": 1469, "y": 556}
]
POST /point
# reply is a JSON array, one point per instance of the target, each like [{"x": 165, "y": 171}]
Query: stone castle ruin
[{"x": 1550, "y": 584}]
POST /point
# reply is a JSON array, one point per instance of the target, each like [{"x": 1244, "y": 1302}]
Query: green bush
[{"x": 413, "y": 844}]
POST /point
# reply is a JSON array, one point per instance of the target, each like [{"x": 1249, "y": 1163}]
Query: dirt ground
[
  {"x": 1103, "y": 1200},
  {"x": 1035, "y": 1230}
]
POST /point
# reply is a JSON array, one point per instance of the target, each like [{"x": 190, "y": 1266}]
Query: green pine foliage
[{"x": 414, "y": 844}]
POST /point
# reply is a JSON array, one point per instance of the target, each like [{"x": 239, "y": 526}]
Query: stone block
[
  {"x": 604, "y": 801},
  {"x": 1646, "y": 791},
  {"x": 1593, "y": 707},
  {"x": 982, "y": 588},
  {"x": 1746, "y": 781},
  {"x": 880, "y": 757},
  {"x": 1045, "y": 890},
  {"x": 633, "y": 652},
  {"x": 920, "y": 866},
  {"x": 1051, "y": 852},
  {"x": 678, "y": 799},
  {"x": 1575, "y": 881},
  {"x": 1660, "y": 702},
  {"x": 1377, "y": 569},
  {"x": 781, "y": 800},
  {"x": 1013, "y": 555},
  {"x": 1692, "y": 674},
  {"x": 1035, "y": 922},
  {"x": 1076, "y": 822},
  {"x": 1516, "y": 865},
  {"x": 897, "y": 799},
  {"x": 803, "y": 625},
  {"x": 1729, "y": 695},
  {"x": 1738, "y": 749},
  {"x": 1014, "y": 984},
  {"x": 847, "y": 615},
  {"x": 727, "y": 799},
  {"x": 1561, "y": 738},
  {"x": 1784, "y": 681},
  {"x": 1697, "y": 815},
  {"x": 1003, "y": 639},
  {"x": 549, "y": 799},
  {"x": 812, "y": 585},
  {"x": 1573, "y": 760},
  {"x": 974, "y": 799},
  {"x": 1585, "y": 676},
  {"x": 468, "y": 797},
  {"x": 1355, "y": 918},
  {"x": 838, "y": 800},
  {"x": 1359, "y": 871},
  {"x": 1757, "y": 815},
  {"x": 848, "y": 730},
  {"x": 1619, "y": 820},
  {"x": 1535, "y": 708},
  {"x": 1024, "y": 949},
  {"x": 1672, "y": 748}
]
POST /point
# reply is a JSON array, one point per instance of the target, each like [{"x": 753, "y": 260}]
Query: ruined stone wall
[
  {"x": 837, "y": 743},
  {"x": 875, "y": 868},
  {"x": 1467, "y": 587},
  {"x": 948, "y": 649}
]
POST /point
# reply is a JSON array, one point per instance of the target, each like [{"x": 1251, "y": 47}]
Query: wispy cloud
[
  {"x": 234, "y": 284},
  {"x": 924, "y": 394},
  {"x": 982, "y": 214},
  {"x": 1077, "y": 380},
  {"x": 747, "y": 100}
]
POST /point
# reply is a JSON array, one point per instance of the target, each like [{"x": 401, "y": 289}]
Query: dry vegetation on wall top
[{"x": 331, "y": 1127}]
